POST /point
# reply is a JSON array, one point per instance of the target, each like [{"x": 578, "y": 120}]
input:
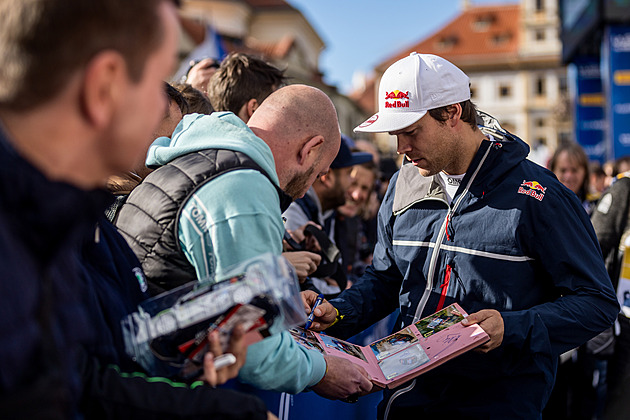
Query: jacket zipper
[
  {"x": 439, "y": 240},
  {"x": 396, "y": 395}
]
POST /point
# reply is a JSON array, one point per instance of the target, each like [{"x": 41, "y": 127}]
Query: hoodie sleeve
[{"x": 234, "y": 218}]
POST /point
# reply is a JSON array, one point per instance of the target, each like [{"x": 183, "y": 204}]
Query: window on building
[
  {"x": 505, "y": 91},
  {"x": 500, "y": 39},
  {"x": 540, "y": 34},
  {"x": 540, "y": 5},
  {"x": 447, "y": 42},
  {"x": 539, "y": 86},
  {"x": 483, "y": 22}
]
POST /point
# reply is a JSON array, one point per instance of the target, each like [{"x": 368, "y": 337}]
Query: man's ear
[
  {"x": 252, "y": 105},
  {"x": 328, "y": 179},
  {"x": 248, "y": 108},
  {"x": 309, "y": 149},
  {"x": 454, "y": 114},
  {"x": 102, "y": 86}
]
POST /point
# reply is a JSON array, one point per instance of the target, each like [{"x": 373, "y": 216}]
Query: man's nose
[{"x": 403, "y": 146}]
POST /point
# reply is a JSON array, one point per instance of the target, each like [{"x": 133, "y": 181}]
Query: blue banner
[
  {"x": 616, "y": 61},
  {"x": 589, "y": 120}
]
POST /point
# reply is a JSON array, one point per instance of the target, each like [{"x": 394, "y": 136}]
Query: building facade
[
  {"x": 512, "y": 54},
  {"x": 273, "y": 30}
]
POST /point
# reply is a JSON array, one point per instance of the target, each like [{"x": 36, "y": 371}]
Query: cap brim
[
  {"x": 385, "y": 122},
  {"x": 361, "y": 157},
  {"x": 357, "y": 159}
]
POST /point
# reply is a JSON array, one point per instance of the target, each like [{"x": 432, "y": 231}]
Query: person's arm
[
  {"x": 109, "y": 393},
  {"x": 561, "y": 239},
  {"x": 610, "y": 217},
  {"x": 375, "y": 294},
  {"x": 220, "y": 228}
]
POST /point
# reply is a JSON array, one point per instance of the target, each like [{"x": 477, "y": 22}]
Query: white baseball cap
[{"x": 412, "y": 86}]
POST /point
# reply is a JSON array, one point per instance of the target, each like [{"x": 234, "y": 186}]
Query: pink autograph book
[{"x": 407, "y": 353}]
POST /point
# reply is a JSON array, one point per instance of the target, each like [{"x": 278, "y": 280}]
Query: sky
[{"x": 359, "y": 34}]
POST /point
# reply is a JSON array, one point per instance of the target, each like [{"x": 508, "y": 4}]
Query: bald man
[{"x": 218, "y": 194}]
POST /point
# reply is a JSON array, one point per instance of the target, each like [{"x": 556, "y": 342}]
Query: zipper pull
[{"x": 444, "y": 286}]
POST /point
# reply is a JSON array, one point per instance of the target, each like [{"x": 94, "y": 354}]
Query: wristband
[{"x": 337, "y": 318}]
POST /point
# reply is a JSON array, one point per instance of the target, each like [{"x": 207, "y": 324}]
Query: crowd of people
[{"x": 118, "y": 184}]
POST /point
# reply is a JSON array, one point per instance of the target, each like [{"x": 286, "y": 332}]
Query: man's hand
[
  {"x": 199, "y": 75},
  {"x": 304, "y": 262},
  {"x": 325, "y": 313},
  {"x": 270, "y": 416},
  {"x": 492, "y": 323},
  {"x": 236, "y": 346},
  {"x": 343, "y": 379},
  {"x": 310, "y": 242}
]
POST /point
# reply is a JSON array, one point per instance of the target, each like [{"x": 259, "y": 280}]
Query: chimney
[{"x": 465, "y": 5}]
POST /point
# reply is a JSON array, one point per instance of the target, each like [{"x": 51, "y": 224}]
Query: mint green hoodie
[{"x": 232, "y": 218}]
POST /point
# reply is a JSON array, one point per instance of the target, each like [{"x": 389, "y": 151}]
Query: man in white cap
[{"x": 471, "y": 220}]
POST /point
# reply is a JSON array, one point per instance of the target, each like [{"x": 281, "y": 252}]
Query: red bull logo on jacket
[
  {"x": 533, "y": 189},
  {"x": 397, "y": 99}
]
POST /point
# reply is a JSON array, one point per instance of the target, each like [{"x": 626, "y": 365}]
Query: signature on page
[{"x": 448, "y": 341}]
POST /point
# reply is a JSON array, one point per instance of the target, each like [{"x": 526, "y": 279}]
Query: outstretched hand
[
  {"x": 343, "y": 379},
  {"x": 325, "y": 313},
  {"x": 304, "y": 262},
  {"x": 492, "y": 323},
  {"x": 236, "y": 346}
]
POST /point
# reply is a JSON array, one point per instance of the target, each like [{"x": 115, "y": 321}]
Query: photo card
[
  {"x": 343, "y": 346},
  {"x": 404, "y": 361},
  {"x": 439, "y": 321},
  {"x": 394, "y": 343}
]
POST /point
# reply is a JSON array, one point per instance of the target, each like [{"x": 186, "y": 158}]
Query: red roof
[{"x": 478, "y": 35}]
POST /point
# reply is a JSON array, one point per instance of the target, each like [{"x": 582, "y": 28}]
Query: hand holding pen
[
  {"x": 309, "y": 320},
  {"x": 321, "y": 314}
]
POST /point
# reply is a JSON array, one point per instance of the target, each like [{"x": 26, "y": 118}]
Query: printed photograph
[
  {"x": 306, "y": 339},
  {"x": 393, "y": 343},
  {"x": 439, "y": 321},
  {"x": 342, "y": 346},
  {"x": 403, "y": 361}
]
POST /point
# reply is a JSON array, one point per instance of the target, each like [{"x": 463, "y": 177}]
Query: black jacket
[
  {"x": 63, "y": 294},
  {"x": 43, "y": 316},
  {"x": 116, "y": 388}
]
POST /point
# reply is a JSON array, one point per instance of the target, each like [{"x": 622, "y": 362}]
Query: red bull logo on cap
[
  {"x": 533, "y": 189},
  {"x": 369, "y": 121},
  {"x": 397, "y": 99}
]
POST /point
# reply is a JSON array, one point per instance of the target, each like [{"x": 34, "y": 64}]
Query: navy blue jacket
[
  {"x": 114, "y": 386},
  {"x": 43, "y": 318},
  {"x": 513, "y": 239},
  {"x": 65, "y": 284}
]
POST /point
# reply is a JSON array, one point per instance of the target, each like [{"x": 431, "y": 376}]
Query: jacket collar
[
  {"x": 488, "y": 168},
  {"x": 45, "y": 214}
]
